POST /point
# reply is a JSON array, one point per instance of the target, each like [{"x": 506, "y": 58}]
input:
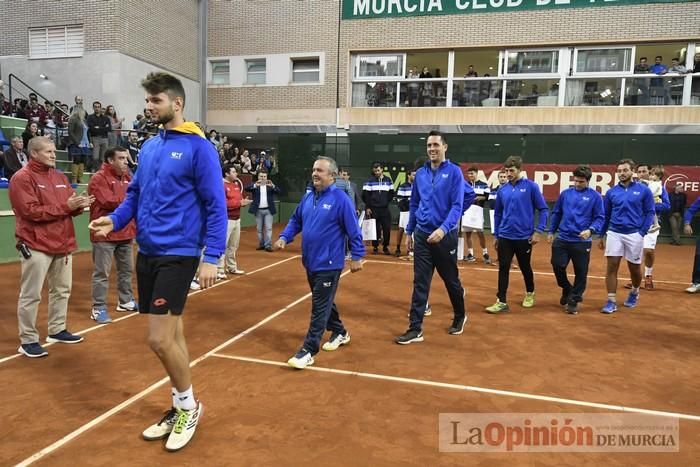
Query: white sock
[
  {"x": 186, "y": 399},
  {"x": 485, "y": 251},
  {"x": 173, "y": 391},
  {"x": 470, "y": 251},
  {"x": 611, "y": 297},
  {"x": 647, "y": 271},
  {"x": 635, "y": 290}
]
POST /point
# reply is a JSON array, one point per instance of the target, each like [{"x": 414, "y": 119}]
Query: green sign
[{"x": 365, "y": 9}]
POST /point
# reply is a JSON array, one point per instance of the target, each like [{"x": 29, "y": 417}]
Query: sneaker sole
[
  {"x": 23, "y": 352},
  {"x": 100, "y": 322},
  {"x": 155, "y": 438},
  {"x": 456, "y": 333},
  {"x": 125, "y": 309},
  {"x": 608, "y": 312},
  {"x": 199, "y": 417},
  {"x": 51, "y": 340},
  {"x": 297, "y": 367},
  {"x": 415, "y": 339},
  {"x": 495, "y": 312}
]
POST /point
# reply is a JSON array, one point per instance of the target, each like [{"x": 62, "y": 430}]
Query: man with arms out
[
  {"x": 377, "y": 193},
  {"x": 263, "y": 208},
  {"x": 177, "y": 199},
  {"x": 326, "y": 218},
  {"x": 44, "y": 204},
  {"x": 233, "y": 188},
  {"x": 688, "y": 230},
  {"x": 109, "y": 186},
  {"x": 435, "y": 209},
  {"x": 403, "y": 196},
  {"x": 629, "y": 212},
  {"x": 473, "y": 219},
  {"x": 514, "y": 231},
  {"x": 661, "y": 205},
  {"x": 577, "y": 215}
]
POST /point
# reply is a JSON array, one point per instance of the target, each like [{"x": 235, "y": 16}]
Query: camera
[{"x": 24, "y": 250}]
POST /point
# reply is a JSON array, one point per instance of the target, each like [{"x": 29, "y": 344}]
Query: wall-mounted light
[{"x": 43, "y": 76}]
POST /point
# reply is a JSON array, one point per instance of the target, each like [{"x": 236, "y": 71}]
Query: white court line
[
  {"x": 495, "y": 269},
  {"x": 195, "y": 292},
  {"x": 461, "y": 387},
  {"x": 96, "y": 421}
]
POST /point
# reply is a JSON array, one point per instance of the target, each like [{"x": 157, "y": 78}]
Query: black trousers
[
  {"x": 426, "y": 258},
  {"x": 522, "y": 249},
  {"x": 696, "y": 266},
  {"x": 324, "y": 313},
  {"x": 383, "y": 217},
  {"x": 579, "y": 253}
]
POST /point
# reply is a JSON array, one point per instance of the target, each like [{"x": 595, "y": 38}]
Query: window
[
  {"x": 603, "y": 60},
  {"x": 56, "y": 41},
  {"x": 220, "y": 72},
  {"x": 537, "y": 61},
  {"x": 305, "y": 70},
  {"x": 255, "y": 71},
  {"x": 369, "y": 66}
]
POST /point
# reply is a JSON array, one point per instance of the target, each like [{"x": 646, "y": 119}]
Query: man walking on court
[
  {"x": 688, "y": 230},
  {"x": 109, "y": 186},
  {"x": 577, "y": 215},
  {"x": 177, "y": 199},
  {"x": 629, "y": 212},
  {"x": 435, "y": 209},
  {"x": 514, "y": 231},
  {"x": 326, "y": 218}
]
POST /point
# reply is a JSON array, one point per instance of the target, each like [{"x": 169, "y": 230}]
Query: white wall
[{"x": 109, "y": 77}]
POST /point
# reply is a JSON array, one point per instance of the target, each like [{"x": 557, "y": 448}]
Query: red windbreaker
[
  {"x": 233, "y": 199},
  {"x": 109, "y": 190},
  {"x": 39, "y": 197}
]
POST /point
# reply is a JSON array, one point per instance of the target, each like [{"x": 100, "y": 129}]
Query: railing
[{"x": 593, "y": 90}]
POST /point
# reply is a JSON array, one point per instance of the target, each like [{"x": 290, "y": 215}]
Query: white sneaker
[
  {"x": 301, "y": 360},
  {"x": 220, "y": 276},
  {"x": 238, "y": 271},
  {"x": 163, "y": 428},
  {"x": 694, "y": 288},
  {"x": 183, "y": 429},
  {"x": 336, "y": 341},
  {"x": 194, "y": 285},
  {"x": 128, "y": 306}
]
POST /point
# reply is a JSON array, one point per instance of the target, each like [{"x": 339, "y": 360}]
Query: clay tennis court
[{"x": 369, "y": 403}]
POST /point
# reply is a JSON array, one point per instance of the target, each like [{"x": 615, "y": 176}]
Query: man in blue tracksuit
[
  {"x": 435, "y": 209},
  {"x": 688, "y": 230},
  {"x": 326, "y": 218},
  {"x": 514, "y": 231},
  {"x": 629, "y": 212},
  {"x": 577, "y": 215},
  {"x": 177, "y": 199}
]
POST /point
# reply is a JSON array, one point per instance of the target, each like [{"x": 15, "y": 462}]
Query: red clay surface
[{"x": 260, "y": 414}]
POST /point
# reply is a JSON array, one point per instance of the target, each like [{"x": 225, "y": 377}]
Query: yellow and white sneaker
[{"x": 163, "y": 428}]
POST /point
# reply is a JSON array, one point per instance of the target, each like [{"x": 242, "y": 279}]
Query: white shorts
[
  {"x": 650, "y": 240},
  {"x": 403, "y": 219},
  {"x": 627, "y": 245},
  {"x": 473, "y": 219}
]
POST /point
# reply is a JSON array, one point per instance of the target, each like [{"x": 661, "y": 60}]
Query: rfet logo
[{"x": 681, "y": 179}]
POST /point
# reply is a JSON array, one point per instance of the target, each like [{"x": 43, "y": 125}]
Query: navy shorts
[{"x": 163, "y": 282}]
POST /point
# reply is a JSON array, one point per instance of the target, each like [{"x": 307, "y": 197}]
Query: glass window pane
[
  {"x": 423, "y": 94},
  {"x": 593, "y": 92},
  {"x": 256, "y": 78},
  {"x": 605, "y": 60},
  {"x": 374, "y": 94},
  {"x": 305, "y": 77},
  {"x": 532, "y": 92},
  {"x": 255, "y": 66},
  {"x": 695, "y": 91},
  {"x": 305, "y": 65},
  {"x": 545, "y": 61},
  {"x": 654, "y": 91},
  {"x": 376, "y": 65},
  {"x": 476, "y": 93}
]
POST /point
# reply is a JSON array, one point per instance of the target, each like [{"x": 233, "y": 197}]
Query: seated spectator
[
  {"x": 30, "y": 131},
  {"x": 36, "y": 113},
  {"x": 5, "y": 106},
  {"x": 15, "y": 158}
]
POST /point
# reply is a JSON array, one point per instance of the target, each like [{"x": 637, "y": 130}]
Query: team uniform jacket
[
  {"x": 517, "y": 203},
  {"x": 628, "y": 210},
  {"x": 109, "y": 190},
  {"x": 325, "y": 220},
  {"x": 172, "y": 218},
  {"x": 403, "y": 196},
  {"x": 377, "y": 192},
  {"x": 437, "y": 198},
  {"x": 480, "y": 189},
  {"x": 39, "y": 197},
  {"x": 576, "y": 211}
]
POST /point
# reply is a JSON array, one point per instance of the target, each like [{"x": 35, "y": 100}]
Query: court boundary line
[
  {"x": 495, "y": 269},
  {"x": 134, "y": 313},
  {"x": 462, "y": 387},
  {"x": 118, "y": 408}
]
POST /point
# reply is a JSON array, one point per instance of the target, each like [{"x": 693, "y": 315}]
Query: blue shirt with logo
[
  {"x": 514, "y": 213},
  {"x": 436, "y": 198},
  {"x": 576, "y": 211},
  {"x": 628, "y": 210}
]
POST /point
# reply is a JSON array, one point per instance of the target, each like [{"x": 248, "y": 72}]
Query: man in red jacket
[
  {"x": 108, "y": 186},
  {"x": 44, "y": 202},
  {"x": 233, "y": 187}
]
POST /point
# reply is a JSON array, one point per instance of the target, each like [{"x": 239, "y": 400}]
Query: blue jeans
[
  {"x": 426, "y": 258},
  {"x": 263, "y": 220},
  {"x": 324, "y": 313}
]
